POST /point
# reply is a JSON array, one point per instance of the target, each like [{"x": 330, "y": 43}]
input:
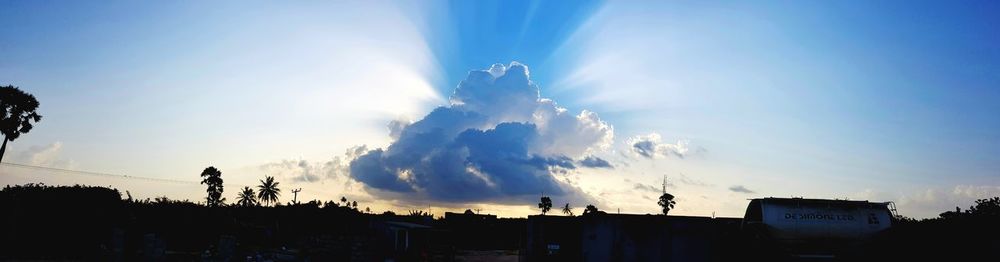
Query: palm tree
[
  {"x": 666, "y": 202},
  {"x": 246, "y": 197},
  {"x": 268, "y": 191},
  {"x": 567, "y": 210},
  {"x": 545, "y": 204},
  {"x": 18, "y": 112}
]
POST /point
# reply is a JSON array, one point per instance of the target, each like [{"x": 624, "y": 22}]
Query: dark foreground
[{"x": 93, "y": 223}]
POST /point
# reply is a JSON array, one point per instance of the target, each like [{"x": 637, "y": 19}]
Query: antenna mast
[{"x": 664, "y": 183}]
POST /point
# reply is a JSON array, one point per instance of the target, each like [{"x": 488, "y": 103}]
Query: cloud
[
  {"x": 497, "y": 141},
  {"x": 595, "y": 162},
  {"x": 741, "y": 189},
  {"x": 932, "y": 201},
  {"x": 976, "y": 192},
  {"x": 691, "y": 181},
  {"x": 48, "y": 156},
  {"x": 645, "y": 187},
  {"x": 307, "y": 172},
  {"x": 295, "y": 170},
  {"x": 651, "y": 146}
]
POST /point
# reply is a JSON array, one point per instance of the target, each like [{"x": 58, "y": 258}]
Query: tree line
[
  {"x": 267, "y": 194},
  {"x": 666, "y": 203}
]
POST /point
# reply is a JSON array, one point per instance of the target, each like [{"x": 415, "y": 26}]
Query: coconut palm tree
[
  {"x": 246, "y": 197},
  {"x": 567, "y": 210},
  {"x": 268, "y": 191},
  {"x": 18, "y": 112}
]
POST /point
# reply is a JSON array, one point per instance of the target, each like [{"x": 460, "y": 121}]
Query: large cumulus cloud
[{"x": 497, "y": 141}]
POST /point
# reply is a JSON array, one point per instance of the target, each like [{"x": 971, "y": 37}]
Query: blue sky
[{"x": 888, "y": 100}]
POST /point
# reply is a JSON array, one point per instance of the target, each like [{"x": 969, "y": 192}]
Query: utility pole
[{"x": 295, "y": 195}]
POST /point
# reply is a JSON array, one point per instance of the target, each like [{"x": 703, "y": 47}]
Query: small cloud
[
  {"x": 309, "y": 172},
  {"x": 976, "y": 192},
  {"x": 645, "y": 187},
  {"x": 296, "y": 170},
  {"x": 652, "y": 146},
  {"x": 691, "y": 181},
  {"x": 741, "y": 189},
  {"x": 595, "y": 162},
  {"x": 49, "y": 156}
]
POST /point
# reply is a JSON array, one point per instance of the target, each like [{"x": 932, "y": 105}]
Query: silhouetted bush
[
  {"x": 77, "y": 220},
  {"x": 95, "y": 223},
  {"x": 971, "y": 235}
]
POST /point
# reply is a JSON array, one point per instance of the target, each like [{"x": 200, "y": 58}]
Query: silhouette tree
[
  {"x": 355, "y": 205},
  {"x": 952, "y": 214},
  {"x": 17, "y": 112},
  {"x": 901, "y": 219},
  {"x": 469, "y": 212},
  {"x": 666, "y": 202},
  {"x": 987, "y": 207},
  {"x": 545, "y": 204},
  {"x": 568, "y": 211},
  {"x": 213, "y": 178},
  {"x": 268, "y": 191},
  {"x": 344, "y": 200},
  {"x": 246, "y": 197},
  {"x": 591, "y": 210},
  {"x": 419, "y": 213}
]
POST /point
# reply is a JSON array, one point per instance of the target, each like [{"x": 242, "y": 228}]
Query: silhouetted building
[
  {"x": 553, "y": 238},
  {"x": 468, "y": 231},
  {"x": 403, "y": 241},
  {"x": 469, "y": 219},
  {"x": 622, "y": 237}
]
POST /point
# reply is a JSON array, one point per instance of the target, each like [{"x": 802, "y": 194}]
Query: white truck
[{"x": 815, "y": 227}]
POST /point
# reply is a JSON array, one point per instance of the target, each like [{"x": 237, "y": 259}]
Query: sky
[{"x": 448, "y": 105}]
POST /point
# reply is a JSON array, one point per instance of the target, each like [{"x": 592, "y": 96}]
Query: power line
[
  {"x": 162, "y": 180},
  {"x": 63, "y": 170}
]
